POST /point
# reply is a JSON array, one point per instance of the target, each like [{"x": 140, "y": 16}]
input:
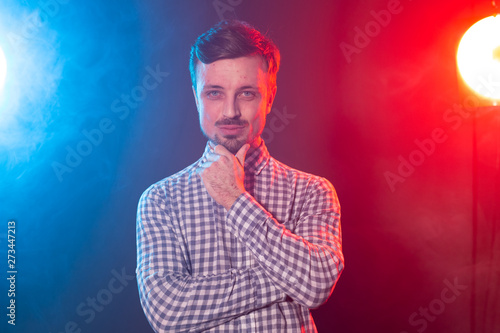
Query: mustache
[{"x": 231, "y": 121}]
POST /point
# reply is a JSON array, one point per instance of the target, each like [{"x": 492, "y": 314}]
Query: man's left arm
[{"x": 305, "y": 263}]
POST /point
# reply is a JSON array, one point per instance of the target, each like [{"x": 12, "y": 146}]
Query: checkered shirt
[{"x": 258, "y": 267}]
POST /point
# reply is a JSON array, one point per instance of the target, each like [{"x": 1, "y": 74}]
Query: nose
[{"x": 231, "y": 109}]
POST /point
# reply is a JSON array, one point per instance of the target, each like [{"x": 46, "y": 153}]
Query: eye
[
  {"x": 214, "y": 94},
  {"x": 247, "y": 94}
]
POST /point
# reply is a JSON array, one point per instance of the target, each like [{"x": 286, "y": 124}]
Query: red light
[{"x": 478, "y": 58}]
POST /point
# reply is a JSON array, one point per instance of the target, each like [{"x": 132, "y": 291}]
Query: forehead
[{"x": 250, "y": 70}]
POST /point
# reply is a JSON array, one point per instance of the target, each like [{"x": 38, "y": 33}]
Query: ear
[
  {"x": 270, "y": 100},
  {"x": 195, "y": 98}
]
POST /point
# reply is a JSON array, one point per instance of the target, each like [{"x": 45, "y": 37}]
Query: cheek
[
  {"x": 205, "y": 120},
  {"x": 210, "y": 109},
  {"x": 208, "y": 115},
  {"x": 259, "y": 122},
  {"x": 205, "y": 111}
]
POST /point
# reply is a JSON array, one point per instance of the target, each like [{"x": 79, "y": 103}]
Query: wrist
[{"x": 231, "y": 199}]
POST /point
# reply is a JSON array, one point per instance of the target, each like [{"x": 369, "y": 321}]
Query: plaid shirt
[{"x": 258, "y": 267}]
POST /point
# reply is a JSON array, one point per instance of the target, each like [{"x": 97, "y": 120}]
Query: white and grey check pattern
[{"x": 258, "y": 267}]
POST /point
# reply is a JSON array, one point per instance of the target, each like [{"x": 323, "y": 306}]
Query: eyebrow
[
  {"x": 248, "y": 87},
  {"x": 214, "y": 86}
]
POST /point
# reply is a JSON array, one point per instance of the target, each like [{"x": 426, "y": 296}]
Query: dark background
[{"x": 410, "y": 229}]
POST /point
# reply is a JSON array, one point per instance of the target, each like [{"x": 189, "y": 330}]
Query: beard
[{"x": 232, "y": 143}]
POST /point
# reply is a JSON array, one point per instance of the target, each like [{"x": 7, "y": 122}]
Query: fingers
[
  {"x": 221, "y": 150},
  {"x": 240, "y": 155},
  {"x": 211, "y": 158}
]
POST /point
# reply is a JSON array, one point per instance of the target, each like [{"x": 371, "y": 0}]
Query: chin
[
  {"x": 233, "y": 146},
  {"x": 231, "y": 143}
]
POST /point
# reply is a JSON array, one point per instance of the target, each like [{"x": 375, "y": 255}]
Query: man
[{"x": 236, "y": 242}]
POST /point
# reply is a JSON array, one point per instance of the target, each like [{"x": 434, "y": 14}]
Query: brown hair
[{"x": 233, "y": 39}]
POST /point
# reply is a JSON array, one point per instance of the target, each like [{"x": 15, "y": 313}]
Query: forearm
[
  {"x": 175, "y": 299},
  {"x": 305, "y": 265},
  {"x": 180, "y": 303}
]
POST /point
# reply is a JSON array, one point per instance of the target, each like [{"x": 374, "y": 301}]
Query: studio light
[
  {"x": 478, "y": 58},
  {"x": 3, "y": 70}
]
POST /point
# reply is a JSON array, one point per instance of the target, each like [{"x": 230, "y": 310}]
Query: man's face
[{"x": 233, "y": 98}]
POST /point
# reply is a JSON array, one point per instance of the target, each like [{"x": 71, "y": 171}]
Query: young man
[{"x": 236, "y": 242}]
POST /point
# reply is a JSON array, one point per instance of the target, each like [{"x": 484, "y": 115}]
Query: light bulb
[{"x": 478, "y": 58}]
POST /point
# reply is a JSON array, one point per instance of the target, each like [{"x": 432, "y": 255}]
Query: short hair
[{"x": 230, "y": 39}]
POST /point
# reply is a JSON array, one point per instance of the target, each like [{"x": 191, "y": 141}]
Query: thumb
[{"x": 241, "y": 154}]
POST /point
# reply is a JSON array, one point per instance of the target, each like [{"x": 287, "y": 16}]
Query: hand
[{"x": 223, "y": 175}]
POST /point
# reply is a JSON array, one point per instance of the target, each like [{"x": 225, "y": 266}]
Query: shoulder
[
  {"x": 306, "y": 185},
  {"x": 163, "y": 188},
  {"x": 317, "y": 191},
  {"x": 298, "y": 175}
]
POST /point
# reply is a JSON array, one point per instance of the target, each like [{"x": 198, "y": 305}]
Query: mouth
[{"x": 231, "y": 130}]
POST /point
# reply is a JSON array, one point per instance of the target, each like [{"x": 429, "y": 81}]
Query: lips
[{"x": 229, "y": 130}]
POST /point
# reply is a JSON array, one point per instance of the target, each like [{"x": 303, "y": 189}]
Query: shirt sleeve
[
  {"x": 305, "y": 263},
  {"x": 175, "y": 300}
]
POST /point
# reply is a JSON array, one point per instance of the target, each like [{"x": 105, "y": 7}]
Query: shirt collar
[{"x": 255, "y": 160}]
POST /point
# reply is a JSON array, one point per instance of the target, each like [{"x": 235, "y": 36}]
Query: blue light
[
  {"x": 3, "y": 70},
  {"x": 29, "y": 46},
  {"x": 67, "y": 63}
]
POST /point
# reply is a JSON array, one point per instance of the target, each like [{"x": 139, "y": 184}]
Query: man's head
[{"x": 233, "y": 71}]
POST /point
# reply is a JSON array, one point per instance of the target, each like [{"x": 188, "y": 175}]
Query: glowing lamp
[
  {"x": 3, "y": 69},
  {"x": 478, "y": 58}
]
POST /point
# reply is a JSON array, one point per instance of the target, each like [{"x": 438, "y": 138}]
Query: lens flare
[
  {"x": 3, "y": 70},
  {"x": 478, "y": 58}
]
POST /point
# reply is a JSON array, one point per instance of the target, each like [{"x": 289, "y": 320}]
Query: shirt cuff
[{"x": 240, "y": 219}]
